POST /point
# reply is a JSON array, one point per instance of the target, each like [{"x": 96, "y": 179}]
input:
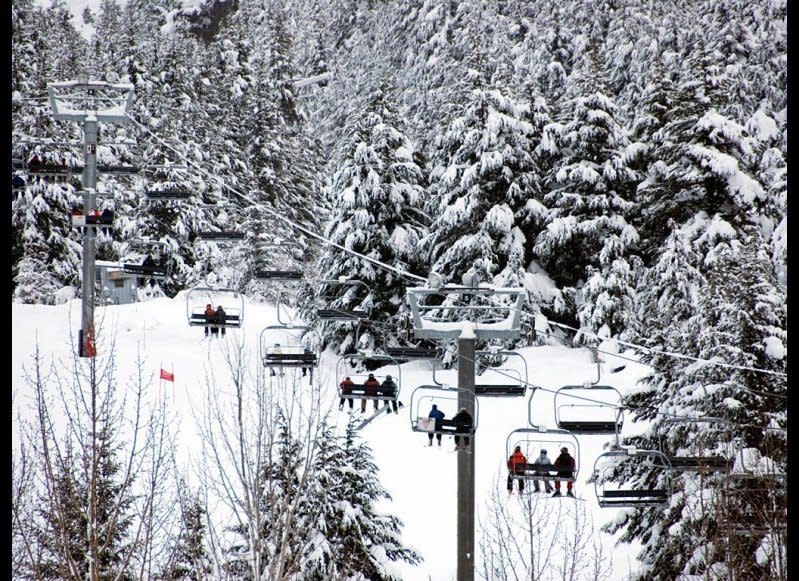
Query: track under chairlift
[
  {"x": 588, "y": 409},
  {"x": 512, "y": 382},
  {"x": 231, "y": 301},
  {"x": 652, "y": 485}
]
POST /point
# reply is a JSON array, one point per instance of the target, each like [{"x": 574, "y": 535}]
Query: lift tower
[
  {"x": 89, "y": 103},
  {"x": 466, "y": 313}
]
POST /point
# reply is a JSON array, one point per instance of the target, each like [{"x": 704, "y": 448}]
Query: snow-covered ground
[{"x": 420, "y": 479}]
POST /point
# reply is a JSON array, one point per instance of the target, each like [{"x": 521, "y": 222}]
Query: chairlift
[
  {"x": 512, "y": 382},
  {"x": 699, "y": 458},
  {"x": 93, "y": 219},
  {"x": 532, "y": 441},
  {"x": 656, "y": 491},
  {"x": 281, "y": 346},
  {"x": 340, "y": 314},
  {"x": 198, "y": 297},
  {"x": 354, "y": 366},
  {"x": 117, "y": 170},
  {"x": 221, "y": 236},
  {"x": 48, "y": 169},
  {"x": 147, "y": 269},
  {"x": 751, "y": 465},
  {"x": 278, "y": 275},
  {"x": 447, "y": 399},
  {"x": 412, "y": 353},
  {"x": 167, "y": 195},
  {"x": 579, "y": 409}
]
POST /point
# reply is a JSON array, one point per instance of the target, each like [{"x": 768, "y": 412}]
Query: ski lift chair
[
  {"x": 654, "y": 491},
  {"x": 696, "y": 456},
  {"x": 354, "y": 367},
  {"x": 578, "y": 408},
  {"x": 513, "y": 382},
  {"x": 341, "y": 314},
  {"x": 198, "y": 297},
  {"x": 448, "y": 401},
  {"x": 531, "y": 442}
]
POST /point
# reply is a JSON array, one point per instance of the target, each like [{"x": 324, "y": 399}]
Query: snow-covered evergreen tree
[
  {"x": 734, "y": 313},
  {"x": 481, "y": 177},
  {"x": 589, "y": 196},
  {"x": 377, "y": 196}
]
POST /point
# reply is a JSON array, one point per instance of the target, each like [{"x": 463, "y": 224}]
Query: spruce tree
[
  {"x": 736, "y": 317},
  {"x": 482, "y": 169},
  {"x": 377, "y": 197},
  {"x": 588, "y": 242},
  {"x": 189, "y": 558},
  {"x": 349, "y": 536}
]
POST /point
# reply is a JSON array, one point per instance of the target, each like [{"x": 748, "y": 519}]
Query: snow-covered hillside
[{"x": 420, "y": 479}]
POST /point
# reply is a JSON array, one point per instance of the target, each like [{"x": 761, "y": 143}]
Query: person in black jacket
[
  {"x": 220, "y": 318},
  {"x": 565, "y": 466},
  {"x": 463, "y": 420},
  {"x": 389, "y": 388}
]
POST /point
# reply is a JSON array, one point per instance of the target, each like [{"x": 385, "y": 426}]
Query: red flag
[{"x": 167, "y": 376}]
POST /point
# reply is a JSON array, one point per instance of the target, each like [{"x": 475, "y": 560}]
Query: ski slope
[{"x": 420, "y": 479}]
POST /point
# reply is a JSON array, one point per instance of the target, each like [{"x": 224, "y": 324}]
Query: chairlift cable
[
  {"x": 608, "y": 404},
  {"x": 675, "y": 355},
  {"x": 747, "y": 389}
]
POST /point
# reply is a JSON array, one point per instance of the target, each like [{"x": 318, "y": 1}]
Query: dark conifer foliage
[
  {"x": 189, "y": 558},
  {"x": 64, "y": 517}
]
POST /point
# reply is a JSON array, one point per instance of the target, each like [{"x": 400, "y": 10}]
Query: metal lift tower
[
  {"x": 89, "y": 103},
  {"x": 466, "y": 313}
]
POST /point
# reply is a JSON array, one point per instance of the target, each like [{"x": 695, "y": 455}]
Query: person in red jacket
[
  {"x": 565, "y": 466},
  {"x": 210, "y": 317},
  {"x": 346, "y": 389},
  {"x": 516, "y": 464},
  {"x": 370, "y": 385}
]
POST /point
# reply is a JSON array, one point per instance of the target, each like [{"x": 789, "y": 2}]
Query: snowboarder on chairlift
[
  {"x": 565, "y": 466},
  {"x": 437, "y": 416},
  {"x": 370, "y": 385},
  {"x": 463, "y": 421},
  {"x": 307, "y": 351},
  {"x": 516, "y": 464}
]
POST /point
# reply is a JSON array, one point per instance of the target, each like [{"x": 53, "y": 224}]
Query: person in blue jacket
[{"x": 437, "y": 415}]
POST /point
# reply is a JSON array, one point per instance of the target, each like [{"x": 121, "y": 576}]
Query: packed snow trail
[{"x": 420, "y": 479}]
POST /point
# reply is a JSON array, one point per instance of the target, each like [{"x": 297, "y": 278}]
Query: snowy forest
[{"x": 631, "y": 153}]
